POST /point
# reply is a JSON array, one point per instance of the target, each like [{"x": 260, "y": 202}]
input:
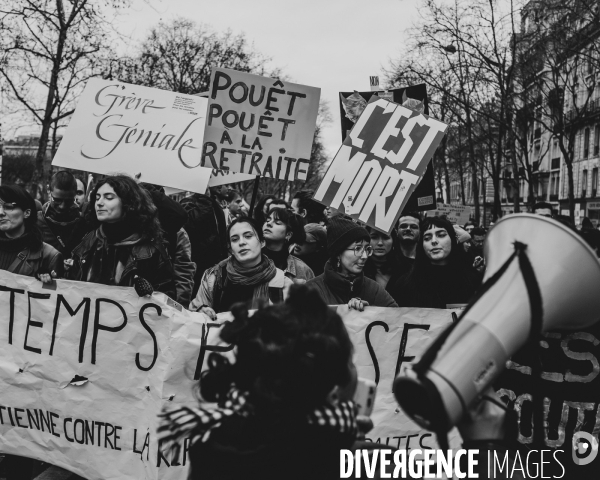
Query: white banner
[
  {"x": 84, "y": 371},
  {"x": 123, "y": 128}
]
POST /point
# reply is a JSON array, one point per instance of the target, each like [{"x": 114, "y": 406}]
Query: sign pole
[{"x": 254, "y": 195}]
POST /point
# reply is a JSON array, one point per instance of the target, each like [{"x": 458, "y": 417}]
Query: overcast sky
[{"x": 331, "y": 44}]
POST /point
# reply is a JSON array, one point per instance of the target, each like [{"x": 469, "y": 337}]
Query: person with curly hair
[
  {"x": 284, "y": 408},
  {"x": 126, "y": 246}
]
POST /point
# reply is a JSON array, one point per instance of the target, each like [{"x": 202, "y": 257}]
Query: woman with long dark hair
[
  {"x": 441, "y": 274},
  {"x": 247, "y": 276},
  {"x": 126, "y": 246},
  {"x": 281, "y": 230},
  {"x": 22, "y": 250}
]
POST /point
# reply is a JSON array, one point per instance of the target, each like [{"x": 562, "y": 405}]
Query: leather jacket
[
  {"x": 30, "y": 262},
  {"x": 145, "y": 258}
]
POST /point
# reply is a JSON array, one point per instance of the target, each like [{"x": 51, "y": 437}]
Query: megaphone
[{"x": 498, "y": 323}]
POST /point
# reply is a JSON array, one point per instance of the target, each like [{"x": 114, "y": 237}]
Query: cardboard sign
[
  {"x": 84, "y": 371},
  {"x": 259, "y": 126},
  {"x": 456, "y": 214},
  {"x": 352, "y": 105},
  {"x": 380, "y": 163},
  {"x": 123, "y": 128}
]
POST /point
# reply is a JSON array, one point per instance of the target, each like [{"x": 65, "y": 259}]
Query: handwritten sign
[
  {"x": 86, "y": 368},
  {"x": 259, "y": 125},
  {"x": 386, "y": 341},
  {"x": 457, "y": 214},
  {"x": 118, "y": 127},
  {"x": 380, "y": 163}
]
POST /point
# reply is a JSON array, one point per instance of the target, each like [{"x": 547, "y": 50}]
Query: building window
[
  {"x": 596, "y": 140},
  {"x": 584, "y": 180},
  {"x": 586, "y": 143},
  {"x": 554, "y": 186},
  {"x": 594, "y": 182}
]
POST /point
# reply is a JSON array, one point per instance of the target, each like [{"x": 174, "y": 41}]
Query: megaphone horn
[{"x": 528, "y": 258}]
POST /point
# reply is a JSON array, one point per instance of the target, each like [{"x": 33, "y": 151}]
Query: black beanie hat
[{"x": 342, "y": 232}]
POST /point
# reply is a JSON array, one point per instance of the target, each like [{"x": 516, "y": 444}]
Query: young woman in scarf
[
  {"x": 281, "y": 230},
  {"x": 247, "y": 276},
  {"x": 126, "y": 248}
]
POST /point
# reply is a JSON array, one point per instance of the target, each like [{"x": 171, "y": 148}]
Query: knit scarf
[
  {"x": 61, "y": 219},
  {"x": 180, "y": 423},
  {"x": 280, "y": 258}
]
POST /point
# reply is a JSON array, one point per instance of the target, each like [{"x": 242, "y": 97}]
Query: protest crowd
[
  {"x": 286, "y": 282},
  {"x": 210, "y": 254}
]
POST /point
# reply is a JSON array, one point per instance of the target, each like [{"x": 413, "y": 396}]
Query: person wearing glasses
[
  {"x": 22, "y": 250},
  {"x": 343, "y": 281},
  {"x": 441, "y": 274},
  {"x": 60, "y": 220}
]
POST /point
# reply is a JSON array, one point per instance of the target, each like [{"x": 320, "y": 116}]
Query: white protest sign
[
  {"x": 380, "y": 163},
  {"x": 123, "y": 128},
  {"x": 456, "y": 214},
  {"x": 259, "y": 126},
  {"x": 386, "y": 340},
  {"x": 84, "y": 371}
]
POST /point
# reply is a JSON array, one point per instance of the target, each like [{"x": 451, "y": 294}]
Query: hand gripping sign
[
  {"x": 380, "y": 163},
  {"x": 259, "y": 126},
  {"x": 118, "y": 127}
]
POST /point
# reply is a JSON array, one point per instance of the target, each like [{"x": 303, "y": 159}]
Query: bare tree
[
  {"x": 49, "y": 50},
  {"x": 179, "y": 55}
]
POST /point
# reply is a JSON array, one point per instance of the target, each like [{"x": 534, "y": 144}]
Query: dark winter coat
[
  {"x": 140, "y": 256},
  {"x": 336, "y": 289},
  {"x": 63, "y": 236}
]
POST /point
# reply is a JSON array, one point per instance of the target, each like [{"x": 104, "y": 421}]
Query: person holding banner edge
[
  {"x": 247, "y": 276},
  {"x": 343, "y": 280},
  {"x": 126, "y": 248}
]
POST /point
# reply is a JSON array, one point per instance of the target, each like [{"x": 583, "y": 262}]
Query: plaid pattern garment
[{"x": 194, "y": 423}]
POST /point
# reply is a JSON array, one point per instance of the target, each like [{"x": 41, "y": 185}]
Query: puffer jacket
[
  {"x": 336, "y": 289},
  {"x": 32, "y": 261},
  {"x": 145, "y": 258}
]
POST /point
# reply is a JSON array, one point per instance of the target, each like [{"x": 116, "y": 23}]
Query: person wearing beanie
[
  {"x": 22, "y": 250},
  {"x": 343, "y": 281}
]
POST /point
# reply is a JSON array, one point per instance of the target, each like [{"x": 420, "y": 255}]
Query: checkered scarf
[{"x": 194, "y": 423}]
